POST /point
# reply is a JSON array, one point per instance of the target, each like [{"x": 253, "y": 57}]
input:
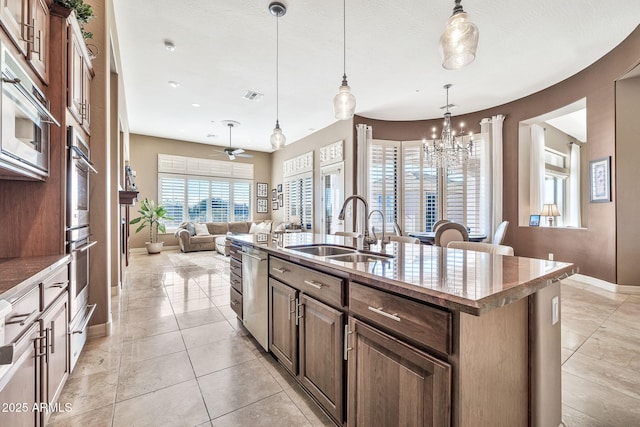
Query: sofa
[{"x": 211, "y": 236}]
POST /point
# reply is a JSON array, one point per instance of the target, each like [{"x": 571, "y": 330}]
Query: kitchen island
[{"x": 414, "y": 334}]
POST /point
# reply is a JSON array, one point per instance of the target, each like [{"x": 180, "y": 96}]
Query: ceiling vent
[{"x": 252, "y": 95}]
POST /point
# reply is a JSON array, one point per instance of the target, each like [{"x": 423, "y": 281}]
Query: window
[
  {"x": 202, "y": 190},
  {"x": 410, "y": 192},
  {"x": 299, "y": 191}
]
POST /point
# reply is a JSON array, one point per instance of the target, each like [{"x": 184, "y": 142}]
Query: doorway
[{"x": 332, "y": 197}]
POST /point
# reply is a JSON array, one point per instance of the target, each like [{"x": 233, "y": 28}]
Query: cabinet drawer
[
  {"x": 235, "y": 251},
  {"x": 420, "y": 323},
  {"x": 236, "y": 267},
  {"x": 54, "y": 285},
  {"x": 323, "y": 286},
  {"x": 236, "y": 282},
  {"x": 236, "y": 302},
  {"x": 24, "y": 312}
]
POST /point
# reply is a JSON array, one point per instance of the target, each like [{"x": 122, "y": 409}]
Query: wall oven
[
  {"x": 79, "y": 168},
  {"x": 24, "y": 138}
]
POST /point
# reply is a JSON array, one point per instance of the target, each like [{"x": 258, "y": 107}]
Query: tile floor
[{"x": 179, "y": 357}]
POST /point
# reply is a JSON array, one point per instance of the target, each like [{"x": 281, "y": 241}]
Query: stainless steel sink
[
  {"x": 361, "y": 257},
  {"x": 323, "y": 250}
]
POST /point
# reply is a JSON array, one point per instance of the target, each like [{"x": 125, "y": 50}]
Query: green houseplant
[
  {"x": 152, "y": 216},
  {"x": 84, "y": 13}
]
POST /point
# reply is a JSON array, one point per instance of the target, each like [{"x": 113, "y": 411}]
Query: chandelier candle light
[
  {"x": 459, "y": 42},
  {"x": 344, "y": 103},
  {"x": 450, "y": 149},
  {"x": 277, "y": 138}
]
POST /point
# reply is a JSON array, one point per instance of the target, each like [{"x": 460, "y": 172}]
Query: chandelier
[{"x": 451, "y": 149}]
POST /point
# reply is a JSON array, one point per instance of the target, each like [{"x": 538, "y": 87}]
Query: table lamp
[
  {"x": 550, "y": 210},
  {"x": 295, "y": 221}
]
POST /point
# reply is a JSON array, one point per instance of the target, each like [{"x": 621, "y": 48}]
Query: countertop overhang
[
  {"x": 17, "y": 274},
  {"x": 460, "y": 280}
]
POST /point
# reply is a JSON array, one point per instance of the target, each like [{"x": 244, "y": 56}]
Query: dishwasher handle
[{"x": 253, "y": 256}]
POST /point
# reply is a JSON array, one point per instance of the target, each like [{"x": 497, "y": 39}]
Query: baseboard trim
[
  {"x": 101, "y": 330},
  {"x": 144, "y": 250},
  {"x": 581, "y": 279}
]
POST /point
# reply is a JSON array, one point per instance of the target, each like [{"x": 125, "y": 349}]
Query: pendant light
[
  {"x": 344, "y": 103},
  {"x": 277, "y": 138},
  {"x": 459, "y": 42}
]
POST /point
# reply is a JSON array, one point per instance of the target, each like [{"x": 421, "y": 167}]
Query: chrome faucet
[
  {"x": 367, "y": 240},
  {"x": 384, "y": 239}
]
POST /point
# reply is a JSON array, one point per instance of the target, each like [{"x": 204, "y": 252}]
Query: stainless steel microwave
[{"x": 25, "y": 120}]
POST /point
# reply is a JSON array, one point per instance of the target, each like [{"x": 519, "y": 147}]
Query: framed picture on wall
[
  {"x": 263, "y": 189},
  {"x": 279, "y": 188},
  {"x": 280, "y": 200},
  {"x": 274, "y": 206},
  {"x": 600, "y": 180},
  {"x": 262, "y": 206},
  {"x": 274, "y": 195}
]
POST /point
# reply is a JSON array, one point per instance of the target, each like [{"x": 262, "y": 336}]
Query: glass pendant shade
[
  {"x": 277, "y": 138},
  {"x": 344, "y": 103},
  {"x": 459, "y": 42}
]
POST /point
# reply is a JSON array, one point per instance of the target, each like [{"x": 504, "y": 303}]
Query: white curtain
[
  {"x": 573, "y": 218},
  {"x": 493, "y": 174},
  {"x": 536, "y": 174},
  {"x": 364, "y": 134}
]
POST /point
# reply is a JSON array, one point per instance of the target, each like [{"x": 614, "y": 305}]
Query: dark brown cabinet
[
  {"x": 14, "y": 14},
  {"x": 55, "y": 357},
  {"x": 19, "y": 387},
  {"x": 80, "y": 73},
  {"x": 391, "y": 383},
  {"x": 306, "y": 336}
]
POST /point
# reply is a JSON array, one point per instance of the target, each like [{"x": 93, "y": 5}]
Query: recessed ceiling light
[
  {"x": 168, "y": 44},
  {"x": 195, "y": 105},
  {"x": 173, "y": 83}
]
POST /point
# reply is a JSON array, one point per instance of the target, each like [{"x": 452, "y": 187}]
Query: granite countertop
[
  {"x": 17, "y": 275},
  {"x": 466, "y": 281}
]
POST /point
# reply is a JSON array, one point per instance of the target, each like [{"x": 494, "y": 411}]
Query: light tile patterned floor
[{"x": 179, "y": 357}]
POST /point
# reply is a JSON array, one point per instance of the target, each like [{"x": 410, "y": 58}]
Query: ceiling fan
[{"x": 230, "y": 151}]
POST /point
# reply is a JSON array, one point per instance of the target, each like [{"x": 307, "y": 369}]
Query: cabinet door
[
  {"x": 38, "y": 38},
  {"x": 75, "y": 76},
  {"x": 283, "y": 337},
  {"x": 19, "y": 386},
  {"x": 86, "y": 95},
  {"x": 13, "y": 17},
  {"x": 321, "y": 354},
  {"x": 394, "y": 384},
  {"x": 56, "y": 362}
]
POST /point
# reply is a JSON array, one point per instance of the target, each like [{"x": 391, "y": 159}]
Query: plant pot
[{"x": 154, "y": 248}]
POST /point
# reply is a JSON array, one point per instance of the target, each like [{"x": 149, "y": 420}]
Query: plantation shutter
[
  {"x": 172, "y": 196},
  {"x": 384, "y": 185},
  {"x": 241, "y": 201}
]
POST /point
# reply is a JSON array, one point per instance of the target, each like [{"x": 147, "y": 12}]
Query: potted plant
[
  {"x": 152, "y": 216},
  {"x": 84, "y": 13}
]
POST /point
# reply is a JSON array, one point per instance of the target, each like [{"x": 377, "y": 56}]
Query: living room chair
[
  {"x": 481, "y": 247},
  {"x": 439, "y": 223},
  {"x": 500, "y": 234}
]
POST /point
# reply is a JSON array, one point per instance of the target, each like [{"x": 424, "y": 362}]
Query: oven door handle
[
  {"x": 9, "y": 79},
  {"x": 83, "y": 159},
  {"x": 85, "y": 247}
]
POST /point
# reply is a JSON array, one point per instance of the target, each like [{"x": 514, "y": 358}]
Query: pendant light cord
[
  {"x": 277, "y": 67},
  {"x": 344, "y": 39}
]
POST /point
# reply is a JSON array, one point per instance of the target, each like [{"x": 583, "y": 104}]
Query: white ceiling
[{"x": 224, "y": 49}]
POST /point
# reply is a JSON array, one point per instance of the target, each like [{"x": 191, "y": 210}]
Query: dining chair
[
  {"x": 347, "y": 234},
  {"x": 449, "y": 232},
  {"x": 397, "y": 229},
  {"x": 404, "y": 239},
  {"x": 500, "y": 234},
  {"x": 482, "y": 247},
  {"x": 438, "y": 223}
]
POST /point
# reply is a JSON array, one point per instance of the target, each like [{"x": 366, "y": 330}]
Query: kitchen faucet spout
[{"x": 367, "y": 240}]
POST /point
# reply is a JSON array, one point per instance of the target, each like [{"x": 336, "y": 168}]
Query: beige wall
[
  {"x": 627, "y": 171},
  {"x": 144, "y": 152},
  {"x": 342, "y": 130}
]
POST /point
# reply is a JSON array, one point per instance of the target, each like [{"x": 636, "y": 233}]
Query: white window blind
[
  {"x": 420, "y": 189},
  {"x": 384, "y": 184},
  {"x": 202, "y": 190},
  {"x": 299, "y": 199}
]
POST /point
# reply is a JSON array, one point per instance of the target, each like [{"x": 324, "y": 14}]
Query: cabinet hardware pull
[
  {"x": 253, "y": 256},
  {"x": 291, "y": 310},
  {"x": 314, "y": 284},
  {"x": 39, "y": 38},
  {"x": 59, "y": 284},
  {"x": 12, "y": 81},
  {"x": 299, "y": 314},
  {"x": 346, "y": 341},
  {"x": 380, "y": 311},
  {"x": 85, "y": 322},
  {"x": 279, "y": 270},
  {"x": 22, "y": 322}
]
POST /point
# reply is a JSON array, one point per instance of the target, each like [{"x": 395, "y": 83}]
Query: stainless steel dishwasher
[{"x": 254, "y": 294}]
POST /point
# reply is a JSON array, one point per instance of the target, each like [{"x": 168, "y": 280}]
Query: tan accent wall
[
  {"x": 627, "y": 171},
  {"x": 592, "y": 249},
  {"x": 144, "y": 152},
  {"x": 341, "y": 130}
]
